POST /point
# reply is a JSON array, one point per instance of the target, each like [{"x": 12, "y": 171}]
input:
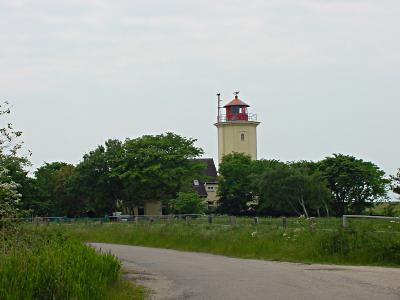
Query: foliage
[
  {"x": 290, "y": 189},
  {"x": 235, "y": 184},
  {"x": 40, "y": 264},
  {"x": 9, "y": 197},
  {"x": 396, "y": 183},
  {"x": 247, "y": 185},
  {"x": 336, "y": 185},
  {"x": 355, "y": 184},
  {"x": 12, "y": 173},
  {"x": 95, "y": 181},
  {"x": 51, "y": 195},
  {"x": 187, "y": 203},
  {"x": 158, "y": 167},
  {"x": 117, "y": 175}
]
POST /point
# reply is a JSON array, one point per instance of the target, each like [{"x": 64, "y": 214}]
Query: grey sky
[{"x": 323, "y": 76}]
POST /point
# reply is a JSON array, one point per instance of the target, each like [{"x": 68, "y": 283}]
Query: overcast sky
[{"x": 322, "y": 75}]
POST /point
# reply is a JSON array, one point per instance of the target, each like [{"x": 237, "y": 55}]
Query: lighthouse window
[
  {"x": 242, "y": 137},
  {"x": 235, "y": 109}
]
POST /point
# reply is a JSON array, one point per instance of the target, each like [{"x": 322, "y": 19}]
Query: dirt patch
[{"x": 159, "y": 286}]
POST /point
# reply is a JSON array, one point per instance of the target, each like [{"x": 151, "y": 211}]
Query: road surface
[{"x": 172, "y": 274}]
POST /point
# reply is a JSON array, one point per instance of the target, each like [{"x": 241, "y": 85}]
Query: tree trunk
[
  {"x": 326, "y": 209},
  {"x": 304, "y": 207}
]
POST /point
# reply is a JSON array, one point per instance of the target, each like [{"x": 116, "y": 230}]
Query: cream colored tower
[{"x": 237, "y": 129}]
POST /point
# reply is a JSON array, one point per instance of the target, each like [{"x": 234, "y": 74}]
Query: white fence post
[
  {"x": 344, "y": 221},
  {"x": 284, "y": 222}
]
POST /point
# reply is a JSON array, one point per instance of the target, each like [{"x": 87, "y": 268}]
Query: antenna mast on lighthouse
[{"x": 219, "y": 106}]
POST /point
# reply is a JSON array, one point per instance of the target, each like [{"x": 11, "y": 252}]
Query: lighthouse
[{"x": 237, "y": 128}]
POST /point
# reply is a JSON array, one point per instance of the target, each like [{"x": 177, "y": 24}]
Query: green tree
[
  {"x": 235, "y": 185},
  {"x": 258, "y": 168},
  {"x": 355, "y": 184},
  {"x": 239, "y": 183},
  {"x": 292, "y": 190},
  {"x": 66, "y": 202},
  {"x": 187, "y": 203},
  {"x": 16, "y": 167},
  {"x": 45, "y": 200},
  {"x": 396, "y": 183},
  {"x": 95, "y": 182},
  {"x": 321, "y": 199},
  {"x": 12, "y": 167},
  {"x": 127, "y": 174},
  {"x": 158, "y": 167}
]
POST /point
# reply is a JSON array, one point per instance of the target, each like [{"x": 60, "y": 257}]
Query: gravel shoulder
[{"x": 172, "y": 274}]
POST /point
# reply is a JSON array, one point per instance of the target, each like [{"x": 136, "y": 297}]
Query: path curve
[{"x": 175, "y": 274}]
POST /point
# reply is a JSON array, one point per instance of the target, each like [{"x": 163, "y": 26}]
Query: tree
[
  {"x": 95, "y": 182},
  {"x": 45, "y": 199},
  {"x": 158, "y": 167},
  {"x": 17, "y": 173},
  {"x": 355, "y": 184},
  {"x": 127, "y": 174},
  {"x": 396, "y": 183},
  {"x": 52, "y": 192},
  {"x": 11, "y": 167},
  {"x": 323, "y": 200},
  {"x": 292, "y": 190},
  {"x": 67, "y": 203},
  {"x": 235, "y": 184},
  {"x": 187, "y": 203}
]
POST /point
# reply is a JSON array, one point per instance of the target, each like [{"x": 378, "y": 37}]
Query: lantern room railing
[{"x": 237, "y": 117}]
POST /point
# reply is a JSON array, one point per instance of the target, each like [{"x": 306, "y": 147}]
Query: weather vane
[{"x": 236, "y": 93}]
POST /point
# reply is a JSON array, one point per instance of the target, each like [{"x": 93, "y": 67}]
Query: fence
[
  {"x": 345, "y": 218},
  {"x": 383, "y": 224},
  {"x": 187, "y": 218}
]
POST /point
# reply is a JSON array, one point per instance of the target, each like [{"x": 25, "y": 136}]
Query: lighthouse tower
[{"x": 237, "y": 129}]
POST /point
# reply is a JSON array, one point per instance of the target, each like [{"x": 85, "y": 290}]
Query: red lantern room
[{"x": 236, "y": 110}]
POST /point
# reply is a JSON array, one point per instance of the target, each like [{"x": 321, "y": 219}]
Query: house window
[
  {"x": 164, "y": 210},
  {"x": 242, "y": 137},
  {"x": 141, "y": 211}
]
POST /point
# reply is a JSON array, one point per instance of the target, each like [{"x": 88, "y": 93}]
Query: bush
[{"x": 187, "y": 203}]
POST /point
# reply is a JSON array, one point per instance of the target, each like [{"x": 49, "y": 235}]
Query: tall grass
[
  {"x": 358, "y": 245},
  {"x": 47, "y": 264}
]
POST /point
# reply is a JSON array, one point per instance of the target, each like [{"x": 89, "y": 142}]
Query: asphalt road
[{"x": 174, "y": 274}]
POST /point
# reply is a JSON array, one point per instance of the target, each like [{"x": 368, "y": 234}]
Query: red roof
[{"x": 236, "y": 102}]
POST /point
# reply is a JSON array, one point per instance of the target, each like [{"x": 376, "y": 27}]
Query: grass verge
[{"x": 358, "y": 245}]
